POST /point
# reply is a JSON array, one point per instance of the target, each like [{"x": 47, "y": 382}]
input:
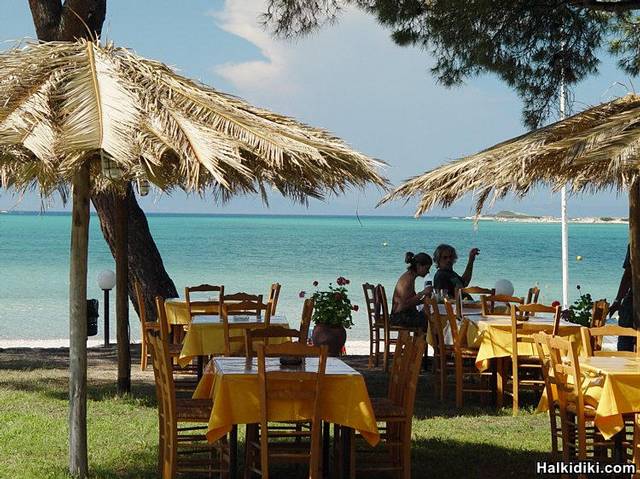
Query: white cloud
[{"x": 241, "y": 18}]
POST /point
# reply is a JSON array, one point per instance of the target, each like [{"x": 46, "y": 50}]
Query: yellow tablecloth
[
  {"x": 234, "y": 389},
  {"x": 206, "y": 336},
  {"x": 615, "y": 383},
  {"x": 492, "y": 336},
  {"x": 177, "y": 311}
]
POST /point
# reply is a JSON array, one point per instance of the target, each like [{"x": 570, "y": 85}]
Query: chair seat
[
  {"x": 384, "y": 408},
  {"x": 196, "y": 410}
]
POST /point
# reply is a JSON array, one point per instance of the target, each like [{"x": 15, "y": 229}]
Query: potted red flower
[{"x": 332, "y": 316}]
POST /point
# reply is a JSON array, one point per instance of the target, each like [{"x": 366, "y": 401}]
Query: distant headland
[{"x": 512, "y": 216}]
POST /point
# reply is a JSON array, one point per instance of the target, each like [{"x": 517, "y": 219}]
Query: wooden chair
[
  {"x": 264, "y": 444},
  {"x": 173, "y": 350},
  {"x": 443, "y": 354},
  {"x": 468, "y": 378},
  {"x": 581, "y": 439},
  {"x": 395, "y": 412},
  {"x": 245, "y": 304},
  {"x": 592, "y": 336},
  {"x": 274, "y": 294},
  {"x": 242, "y": 307},
  {"x": 532, "y": 295},
  {"x": 598, "y": 319},
  {"x": 254, "y": 337},
  {"x": 388, "y": 327},
  {"x": 526, "y": 371},
  {"x": 461, "y": 292},
  {"x": 376, "y": 324},
  {"x": 489, "y": 307},
  {"x": 305, "y": 320},
  {"x": 144, "y": 325},
  {"x": 555, "y": 418},
  {"x": 204, "y": 301},
  {"x": 183, "y": 449}
]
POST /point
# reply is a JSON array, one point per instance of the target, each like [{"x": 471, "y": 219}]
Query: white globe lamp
[{"x": 504, "y": 287}]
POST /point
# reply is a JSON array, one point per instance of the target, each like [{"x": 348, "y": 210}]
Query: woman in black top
[{"x": 446, "y": 278}]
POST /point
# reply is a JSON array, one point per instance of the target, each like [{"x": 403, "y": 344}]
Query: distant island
[{"x": 513, "y": 216}]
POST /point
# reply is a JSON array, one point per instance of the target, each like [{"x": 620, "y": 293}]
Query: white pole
[{"x": 564, "y": 219}]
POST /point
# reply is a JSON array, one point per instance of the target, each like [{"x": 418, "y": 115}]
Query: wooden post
[
  {"x": 634, "y": 247},
  {"x": 122, "y": 295},
  {"x": 78, "y": 464}
]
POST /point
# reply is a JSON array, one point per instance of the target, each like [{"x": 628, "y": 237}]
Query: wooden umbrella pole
[
  {"x": 122, "y": 294},
  {"x": 634, "y": 243},
  {"x": 78, "y": 463}
]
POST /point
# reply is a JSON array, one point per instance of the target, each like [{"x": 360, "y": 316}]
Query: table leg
[
  {"x": 200, "y": 367},
  {"x": 233, "y": 451},
  {"x": 346, "y": 434},
  {"x": 500, "y": 364},
  {"x": 326, "y": 444}
]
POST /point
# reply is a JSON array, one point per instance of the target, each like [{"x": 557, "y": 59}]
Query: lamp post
[{"x": 106, "y": 282}]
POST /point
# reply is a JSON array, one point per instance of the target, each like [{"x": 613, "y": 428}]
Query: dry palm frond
[
  {"x": 593, "y": 150},
  {"x": 65, "y": 103}
]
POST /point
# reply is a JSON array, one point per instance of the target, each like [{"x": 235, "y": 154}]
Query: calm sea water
[{"x": 247, "y": 253}]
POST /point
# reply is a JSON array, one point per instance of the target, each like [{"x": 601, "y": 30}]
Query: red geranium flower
[
  {"x": 301, "y": 294},
  {"x": 340, "y": 281},
  {"x": 315, "y": 283},
  {"x": 338, "y": 296},
  {"x": 346, "y": 281},
  {"x": 355, "y": 307}
]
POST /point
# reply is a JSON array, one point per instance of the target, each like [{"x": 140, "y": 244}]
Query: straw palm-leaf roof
[
  {"x": 593, "y": 150},
  {"x": 62, "y": 103}
]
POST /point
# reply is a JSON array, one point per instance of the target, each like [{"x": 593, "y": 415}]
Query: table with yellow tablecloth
[
  {"x": 205, "y": 336},
  {"x": 614, "y": 382},
  {"x": 492, "y": 336},
  {"x": 232, "y": 383}
]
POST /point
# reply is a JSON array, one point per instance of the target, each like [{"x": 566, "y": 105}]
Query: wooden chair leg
[
  {"x": 516, "y": 390},
  {"x": 385, "y": 357},
  {"x": 143, "y": 353},
  {"x": 459, "y": 381},
  {"x": 500, "y": 364},
  {"x": 406, "y": 450}
]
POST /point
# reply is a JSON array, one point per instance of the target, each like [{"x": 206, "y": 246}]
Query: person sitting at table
[
  {"x": 404, "y": 310},
  {"x": 446, "y": 278}
]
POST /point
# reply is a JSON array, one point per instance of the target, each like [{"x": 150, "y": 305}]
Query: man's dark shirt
[{"x": 449, "y": 280}]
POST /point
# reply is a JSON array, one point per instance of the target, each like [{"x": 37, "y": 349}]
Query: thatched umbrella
[
  {"x": 591, "y": 151},
  {"x": 98, "y": 117}
]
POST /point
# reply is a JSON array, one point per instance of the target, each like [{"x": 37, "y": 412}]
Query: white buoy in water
[
  {"x": 384, "y": 243},
  {"x": 578, "y": 258}
]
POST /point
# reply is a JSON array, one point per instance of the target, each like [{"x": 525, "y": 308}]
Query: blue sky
[{"x": 349, "y": 78}]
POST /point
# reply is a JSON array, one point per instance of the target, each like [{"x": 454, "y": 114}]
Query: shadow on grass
[
  {"x": 438, "y": 458},
  {"x": 97, "y": 390}
]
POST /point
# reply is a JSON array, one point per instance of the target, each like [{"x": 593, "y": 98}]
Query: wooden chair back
[
  {"x": 162, "y": 319},
  {"x": 383, "y": 305},
  {"x": 255, "y": 336},
  {"x": 407, "y": 363},
  {"x": 599, "y": 313},
  {"x": 532, "y": 295},
  {"x": 206, "y": 300},
  {"x": 274, "y": 294},
  {"x": 241, "y": 307},
  {"x": 590, "y": 335},
  {"x": 461, "y": 292},
  {"x": 457, "y": 334},
  {"x": 305, "y": 320},
  {"x": 371, "y": 303},
  {"x": 489, "y": 301},
  {"x": 291, "y": 386},
  {"x": 245, "y": 304},
  {"x": 530, "y": 309},
  {"x": 144, "y": 325}
]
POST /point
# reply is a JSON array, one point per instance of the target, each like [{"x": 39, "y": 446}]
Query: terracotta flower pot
[{"x": 332, "y": 336}]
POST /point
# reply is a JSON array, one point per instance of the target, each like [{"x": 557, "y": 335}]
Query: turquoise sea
[{"x": 247, "y": 253}]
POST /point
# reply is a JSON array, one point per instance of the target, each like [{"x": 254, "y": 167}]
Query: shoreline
[
  {"x": 357, "y": 347},
  {"x": 603, "y": 220}
]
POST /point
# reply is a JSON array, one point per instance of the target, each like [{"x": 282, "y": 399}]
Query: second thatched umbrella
[
  {"x": 591, "y": 151},
  {"x": 98, "y": 117}
]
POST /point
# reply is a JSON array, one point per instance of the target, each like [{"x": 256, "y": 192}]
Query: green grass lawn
[{"x": 476, "y": 441}]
